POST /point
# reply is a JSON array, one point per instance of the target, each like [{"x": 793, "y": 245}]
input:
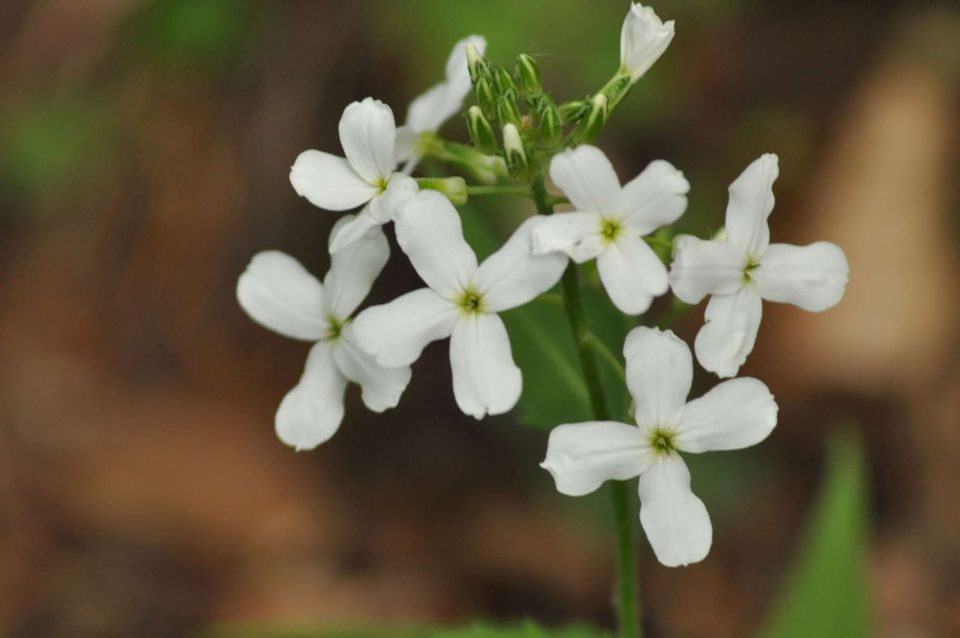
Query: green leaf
[{"x": 826, "y": 595}]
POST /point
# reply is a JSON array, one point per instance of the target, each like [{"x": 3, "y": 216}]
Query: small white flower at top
[
  {"x": 436, "y": 105},
  {"x": 733, "y": 415},
  {"x": 609, "y": 222},
  {"x": 278, "y": 293},
  {"x": 643, "y": 39},
  {"x": 743, "y": 267},
  {"x": 364, "y": 178},
  {"x": 461, "y": 302}
]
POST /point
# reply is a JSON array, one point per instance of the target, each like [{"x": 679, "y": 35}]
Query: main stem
[{"x": 628, "y": 607}]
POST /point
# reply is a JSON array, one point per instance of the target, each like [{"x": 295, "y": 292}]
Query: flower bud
[
  {"x": 486, "y": 98},
  {"x": 504, "y": 81},
  {"x": 513, "y": 149},
  {"x": 477, "y": 66},
  {"x": 590, "y": 127},
  {"x": 507, "y": 109},
  {"x": 529, "y": 76},
  {"x": 572, "y": 111},
  {"x": 643, "y": 39},
  {"x": 481, "y": 133},
  {"x": 453, "y": 188},
  {"x": 551, "y": 128}
]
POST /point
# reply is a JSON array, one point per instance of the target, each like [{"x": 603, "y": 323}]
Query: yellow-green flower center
[
  {"x": 662, "y": 441},
  {"x": 610, "y": 229},
  {"x": 334, "y": 328},
  {"x": 752, "y": 264},
  {"x": 471, "y": 302}
]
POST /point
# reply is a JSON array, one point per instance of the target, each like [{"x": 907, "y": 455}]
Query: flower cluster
[{"x": 519, "y": 136}]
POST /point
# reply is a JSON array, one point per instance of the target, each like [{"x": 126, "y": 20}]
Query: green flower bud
[
  {"x": 481, "y": 133},
  {"x": 477, "y": 66},
  {"x": 551, "y": 128},
  {"x": 513, "y": 149},
  {"x": 486, "y": 98},
  {"x": 571, "y": 112},
  {"x": 453, "y": 188},
  {"x": 529, "y": 75},
  {"x": 504, "y": 81},
  {"x": 507, "y": 109},
  {"x": 590, "y": 128}
]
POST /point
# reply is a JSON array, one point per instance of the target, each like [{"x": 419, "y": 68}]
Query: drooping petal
[
  {"x": 354, "y": 269},
  {"x": 702, "y": 268},
  {"x": 368, "y": 134},
  {"x": 654, "y": 198},
  {"x": 735, "y": 414},
  {"x": 727, "y": 337},
  {"x": 587, "y": 177},
  {"x": 355, "y": 229},
  {"x": 513, "y": 275},
  {"x": 396, "y": 333},
  {"x": 485, "y": 378},
  {"x": 431, "y": 108},
  {"x": 751, "y": 202},
  {"x": 582, "y": 456},
  {"x": 311, "y": 412},
  {"x": 329, "y": 182},
  {"x": 381, "y": 386},
  {"x": 643, "y": 39},
  {"x": 812, "y": 277},
  {"x": 406, "y": 144},
  {"x": 659, "y": 375},
  {"x": 576, "y": 234},
  {"x": 386, "y": 206},
  {"x": 675, "y": 521},
  {"x": 279, "y": 294},
  {"x": 632, "y": 274},
  {"x": 430, "y": 233}
]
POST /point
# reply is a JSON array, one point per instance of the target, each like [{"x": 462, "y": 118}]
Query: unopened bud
[
  {"x": 477, "y": 66},
  {"x": 504, "y": 81},
  {"x": 513, "y": 149},
  {"x": 507, "y": 109},
  {"x": 453, "y": 188},
  {"x": 529, "y": 76},
  {"x": 486, "y": 98},
  {"x": 481, "y": 133},
  {"x": 596, "y": 119},
  {"x": 551, "y": 128},
  {"x": 571, "y": 112}
]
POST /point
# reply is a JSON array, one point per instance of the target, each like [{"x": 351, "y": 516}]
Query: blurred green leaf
[
  {"x": 826, "y": 595},
  {"x": 524, "y": 630}
]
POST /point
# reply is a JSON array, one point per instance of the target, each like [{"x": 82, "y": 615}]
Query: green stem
[
  {"x": 520, "y": 191},
  {"x": 628, "y": 607},
  {"x": 601, "y": 349}
]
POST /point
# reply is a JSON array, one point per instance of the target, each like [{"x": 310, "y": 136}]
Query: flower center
[
  {"x": 381, "y": 185},
  {"x": 334, "y": 328},
  {"x": 752, "y": 264},
  {"x": 470, "y": 302},
  {"x": 610, "y": 230},
  {"x": 662, "y": 441}
]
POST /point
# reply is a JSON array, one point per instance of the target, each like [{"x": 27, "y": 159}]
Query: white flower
[
  {"x": 609, "y": 222},
  {"x": 643, "y": 39},
  {"x": 744, "y": 267},
  {"x": 735, "y": 414},
  {"x": 278, "y": 293},
  {"x": 365, "y": 178},
  {"x": 460, "y": 302},
  {"x": 431, "y": 109}
]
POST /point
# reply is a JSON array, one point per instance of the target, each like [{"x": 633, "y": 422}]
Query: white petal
[
  {"x": 751, "y": 202},
  {"x": 654, "y": 198},
  {"x": 576, "y": 234},
  {"x": 381, "y": 386},
  {"x": 733, "y": 415},
  {"x": 311, "y": 412},
  {"x": 812, "y": 277},
  {"x": 586, "y": 176},
  {"x": 431, "y": 108},
  {"x": 581, "y": 456},
  {"x": 643, "y": 39},
  {"x": 430, "y": 233},
  {"x": 632, "y": 274},
  {"x": 397, "y": 332},
  {"x": 353, "y": 270},
  {"x": 279, "y": 294},
  {"x": 353, "y": 230},
  {"x": 368, "y": 134},
  {"x": 386, "y": 207},
  {"x": 485, "y": 378},
  {"x": 675, "y": 521},
  {"x": 727, "y": 337},
  {"x": 513, "y": 275},
  {"x": 329, "y": 182},
  {"x": 406, "y": 144},
  {"x": 659, "y": 375},
  {"x": 702, "y": 268}
]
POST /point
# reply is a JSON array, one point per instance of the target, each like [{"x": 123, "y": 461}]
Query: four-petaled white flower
[
  {"x": 609, "y": 222},
  {"x": 364, "y": 178},
  {"x": 734, "y": 414},
  {"x": 745, "y": 267},
  {"x": 436, "y": 105},
  {"x": 278, "y": 293},
  {"x": 461, "y": 302},
  {"x": 643, "y": 39}
]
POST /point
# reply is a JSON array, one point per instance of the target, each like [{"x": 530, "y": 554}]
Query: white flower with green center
[
  {"x": 609, "y": 222},
  {"x": 461, "y": 302},
  {"x": 278, "y": 293},
  {"x": 431, "y": 109},
  {"x": 643, "y": 39},
  {"x": 743, "y": 267},
  {"x": 735, "y": 414},
  {"x": 364, "y": 178}
]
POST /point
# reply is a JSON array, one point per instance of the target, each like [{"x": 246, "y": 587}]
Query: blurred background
[{"x": 144, "y": 156}]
